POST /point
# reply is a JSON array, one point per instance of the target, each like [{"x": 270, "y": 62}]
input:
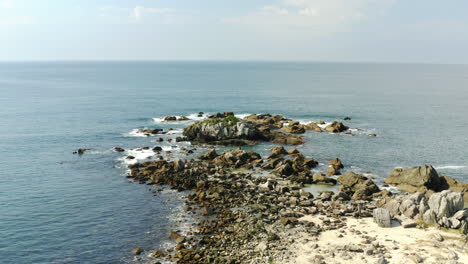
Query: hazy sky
[{"x": 316, "y": 30}]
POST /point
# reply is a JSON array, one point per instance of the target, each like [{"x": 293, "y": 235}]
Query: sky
[{"x": 431, "y": 31}]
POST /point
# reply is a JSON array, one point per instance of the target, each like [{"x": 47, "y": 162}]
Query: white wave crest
[
  {"x": 141, "y": 154},
  {"x": 450, "y": 167},
  {"x": 191, "y": 117}
]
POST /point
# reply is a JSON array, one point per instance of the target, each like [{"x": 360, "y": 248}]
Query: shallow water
[{"x": 56, "y": 207}]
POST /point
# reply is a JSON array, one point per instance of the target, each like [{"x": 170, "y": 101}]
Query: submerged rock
[{"x": 117, "y": 149}]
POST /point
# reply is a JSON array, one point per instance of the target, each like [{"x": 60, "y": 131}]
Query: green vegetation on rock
[{"x": 228, "y": 120}]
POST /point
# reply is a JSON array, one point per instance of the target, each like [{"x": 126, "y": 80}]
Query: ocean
[{"x": 57, "y": 207}]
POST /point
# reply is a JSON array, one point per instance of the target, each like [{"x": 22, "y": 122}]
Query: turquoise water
[{"x": 56, "y": 207}]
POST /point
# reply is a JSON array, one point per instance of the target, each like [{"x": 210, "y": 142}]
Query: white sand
[{"x": 403, "y": 245}]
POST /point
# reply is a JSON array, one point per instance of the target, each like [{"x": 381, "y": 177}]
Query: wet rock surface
[{"x": 251, "y": 209}]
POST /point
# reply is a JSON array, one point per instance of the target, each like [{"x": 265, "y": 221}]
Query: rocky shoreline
[{"x": 254, "y": 209}]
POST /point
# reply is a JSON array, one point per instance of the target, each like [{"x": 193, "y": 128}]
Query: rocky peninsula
[{"x": 254, "y": 209}]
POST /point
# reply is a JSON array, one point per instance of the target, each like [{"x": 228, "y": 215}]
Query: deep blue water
[{"x": 56, "y": 207}]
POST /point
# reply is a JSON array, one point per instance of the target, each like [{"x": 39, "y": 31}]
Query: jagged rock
[
  {"x": 117, "y": 149},
  {"x": 382, "y": 217},
  {"x": 456, "y": 186},
  {"x": 336, "y": 127},
  {"x": 445, "y": 204},
  {"x": 462, "y": 214},
  {"x": 332, "y": 171},
  {"x": 211, "y": 154},
  {"x": 359, "y": 186},
  {"x": 278, "y": 151},
  {"x": 294, "y": 128},
  {"x": 313, "y": 126},
  {"x": 319, "y": 178},
  {"x": 415, "y": 179},
  {"x": 284, "y": 170},
  {"x": 336, "y": 163},
  {"x": 341, "y": 196},
  {"x": 325, "y": 195},
  {"x": 170, "y": 118},
  {"x": 218, "y": 130},
  {"x": 410, "y": 206},
  {"x": 293, "y": 151}
]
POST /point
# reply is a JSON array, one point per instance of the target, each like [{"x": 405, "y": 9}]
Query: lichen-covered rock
[{"x": 416, "y": 179}]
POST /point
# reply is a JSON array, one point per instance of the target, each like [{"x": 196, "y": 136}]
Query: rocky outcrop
[
  {"x": 416, "y": 179},
  {"x": 336, "y": 127},
  {"x": 229, "y": 130},
  {"x": 425, "y": 178},
  {"x": 357, "y": 186},
  {"x": 442, "y": 208},
  {"x": 219, "y": 131}
]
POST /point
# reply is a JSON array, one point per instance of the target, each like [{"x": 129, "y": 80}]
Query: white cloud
[
  {"x": 275, "y": 10},
  {"x": 319, "y": 16},
  {"x": 139, "y": 12},
  {"x": 309, "y": 11}
]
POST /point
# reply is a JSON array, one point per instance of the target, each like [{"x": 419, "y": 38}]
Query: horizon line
[{"x": 227, "y": 60}]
